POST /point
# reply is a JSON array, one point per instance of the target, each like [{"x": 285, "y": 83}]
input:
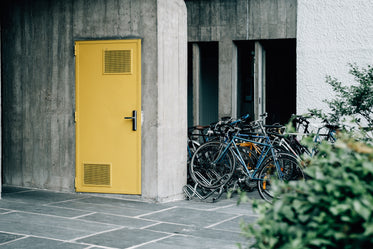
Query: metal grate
[
  {"x": 117, "y": 61},
  {"x": 97, "y": 174}
]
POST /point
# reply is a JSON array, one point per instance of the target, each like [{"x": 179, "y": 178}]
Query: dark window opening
[
  {"x": 208, "y": 83},
  {"x": 190, "y": 85},
  {"x": 245, "y": 78},
  {"x": 280, "y": 79}
]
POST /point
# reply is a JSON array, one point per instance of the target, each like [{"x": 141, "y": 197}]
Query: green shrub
[
  {"x": 355, "y": 101},
  {"x": 333, "y": 209}
]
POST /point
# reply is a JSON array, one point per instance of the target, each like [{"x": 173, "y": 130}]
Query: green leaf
[
  {"x": 363, "y": 211},
  {"x": 320, "y": 242},
  {"x": 304, "y": 218},
  {"x": 339, "y": 209},
  {"x": 368, "y": 229},
  {"x": 346, "y": 218}
]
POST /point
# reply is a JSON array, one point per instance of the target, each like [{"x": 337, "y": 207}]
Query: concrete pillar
[
  {"x": 1, "y": 128},
  {"x": 196, "y": 82},
  {"x": 227, "y": 77},
  {"x": 234, "y": 80},
  {"x": 172, "y": 99}
]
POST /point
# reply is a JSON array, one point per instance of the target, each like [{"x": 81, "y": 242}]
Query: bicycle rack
[{"x": 191, "y": 191}]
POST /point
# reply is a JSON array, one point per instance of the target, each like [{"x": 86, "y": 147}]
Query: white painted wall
[{"x": 330, "y": 34}]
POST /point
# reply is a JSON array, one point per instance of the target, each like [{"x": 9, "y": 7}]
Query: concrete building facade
[
  {"x": 38, "y": 80},
  {"x": 243, "y": 39},
  {"x": 201, "y": 60},
  {"x": 272, "y": 56}
]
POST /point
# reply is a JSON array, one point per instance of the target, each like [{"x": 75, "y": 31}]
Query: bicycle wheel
[
  {"x": 242, "y": 173},
  {"x": 192, "y": 147},
  {"x": 289, "y": 170},
  {"x": 211, "y": 167}
]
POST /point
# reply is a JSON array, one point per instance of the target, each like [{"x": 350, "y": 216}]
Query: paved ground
[{"x": 43, "y": 219}]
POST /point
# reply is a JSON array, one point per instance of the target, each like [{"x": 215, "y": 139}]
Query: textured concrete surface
[
  {"x": 217, "y": 20},
  {"x": 39, "y": 87},
  {"x": 330, "y": 35},
  {"x": 227, "y": 21},
  {"x": 1, "y": 123},
  {"x": 172, "y": 102},
  {"x": 40, "y": 219}
]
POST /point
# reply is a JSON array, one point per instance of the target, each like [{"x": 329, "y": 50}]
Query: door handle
[{"x": 134, "y": 120}]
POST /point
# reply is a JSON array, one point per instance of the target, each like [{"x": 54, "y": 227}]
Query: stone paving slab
[
  {"x": 38, "y": 243},
  {"x": 6, "y": 237},
  {"x": 123, "y": 238},
  {"x": 231, "y": 225},
  {"x": 38, "y": 208},
  {"x": 203, "y": 205},
  {"x": 214, "y": 234},
  {"x": 118, "y": 220},
  {"x": 183, "y": 242},
  {"x": 188, "y": 216},
  {"x": 13, "y": 189},
  {"x": 121, "y": 203},
  {"x": 2, "y": 210},
  {"x": 40, "y": 219},
  {"x": 49, "y": 226},
  {"x": 39, "y": 196},
  {"x": 108, "y": 206},
  {"x": 171, "y": 228}
]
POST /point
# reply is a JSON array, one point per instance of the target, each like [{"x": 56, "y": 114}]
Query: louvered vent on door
[
  {"x": 117, "y": 61},
  {"x": 97, "y": 174}
]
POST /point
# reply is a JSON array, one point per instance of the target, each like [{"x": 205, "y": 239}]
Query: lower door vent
[{"x": 97, "y": 174}]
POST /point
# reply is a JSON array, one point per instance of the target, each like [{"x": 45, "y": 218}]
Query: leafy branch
[{"x": 354, "y": 101}]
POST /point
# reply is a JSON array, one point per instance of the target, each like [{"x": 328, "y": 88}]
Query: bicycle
[{"x": 214, "y": 163}]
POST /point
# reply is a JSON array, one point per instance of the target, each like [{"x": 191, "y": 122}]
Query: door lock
[{"x": 134, "y": 120}]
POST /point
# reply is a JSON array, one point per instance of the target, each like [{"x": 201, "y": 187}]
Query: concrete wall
[
  {"x": 330, "y": 34},
  {"x": 1, "y": 129},
  {"x": 216, "y": 20},
  {"x": 172, "y": 105},
  {"x": 39, "y": 87},
  {"x": 228, "y": 20},
  {"x": 38, "y": 96}
]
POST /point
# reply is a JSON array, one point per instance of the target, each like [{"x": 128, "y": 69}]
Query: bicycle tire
[
  {"x": 243, "y": 173},
  {"x": 290, "y": 171},
  {"x": 208, "y": 173}
]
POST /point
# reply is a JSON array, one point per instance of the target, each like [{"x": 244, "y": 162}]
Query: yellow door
[{"x": 108, "y": 113}]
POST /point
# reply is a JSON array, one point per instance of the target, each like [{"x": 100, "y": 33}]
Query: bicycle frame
[{"x": 268, "y": 148}]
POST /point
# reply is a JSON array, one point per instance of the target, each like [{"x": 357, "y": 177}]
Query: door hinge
[
  {"x": 76, "y": 117},
  {"x": 75, "y": 51}
]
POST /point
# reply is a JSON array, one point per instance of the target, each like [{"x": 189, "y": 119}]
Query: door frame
[
  {"x": 139, "y": 111},
  {"x": 259, "y": 80}
]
